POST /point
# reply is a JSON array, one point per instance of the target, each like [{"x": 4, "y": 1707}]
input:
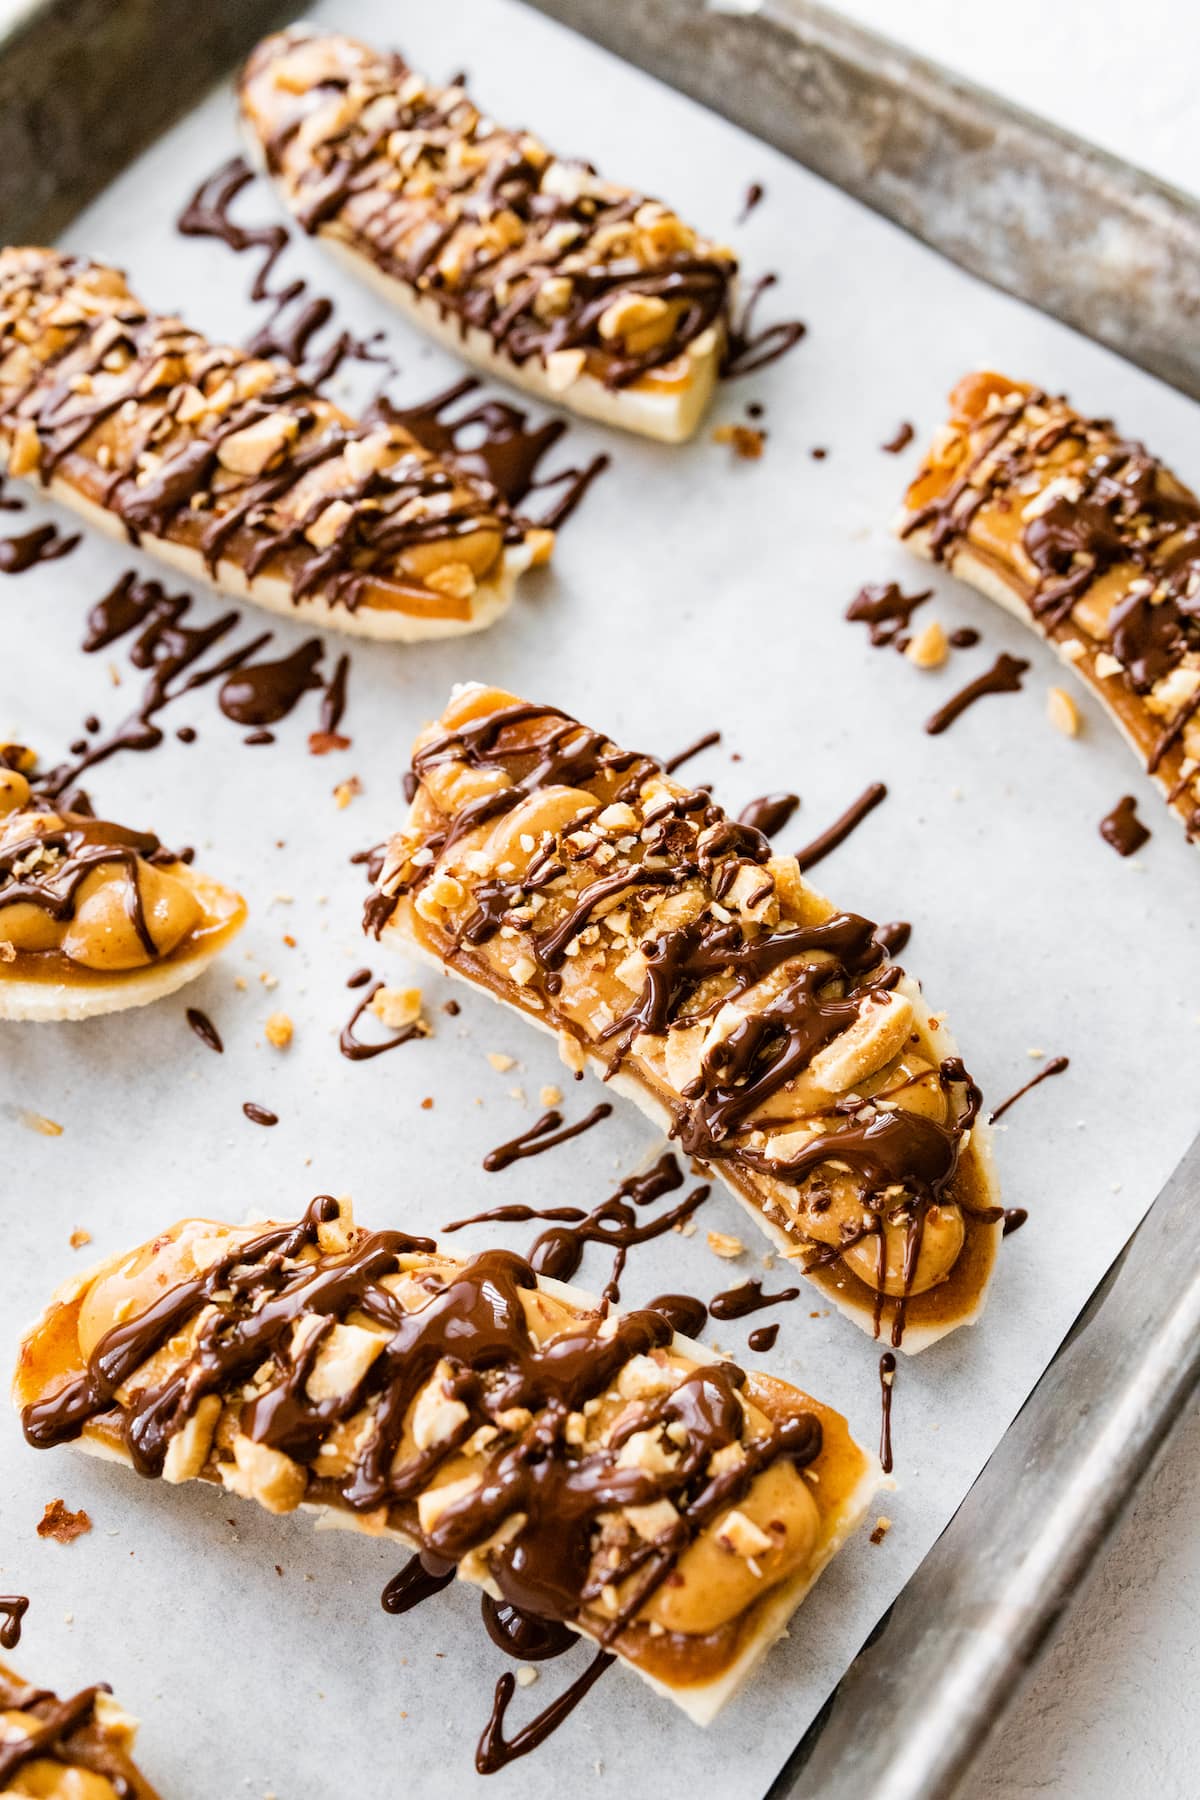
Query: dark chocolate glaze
[
  {"x": 543, "y": 1135},
  {"x": 58, "y": 1722},
  {"x": 769, "y": 813},
  {"x": 1004, "y": 677},
  {"x": 43, "y": 544},
  {"x": 812, "y": 853},
  {"x": 1123, "y": 829},
  {"x": 1014, "y": 1218},
  {"x": 204, "y": 1029},
  {"x": 333, "y": 700},
  {"x": 359, "y": 978},
  {"x": 1055, "y": 1066}
]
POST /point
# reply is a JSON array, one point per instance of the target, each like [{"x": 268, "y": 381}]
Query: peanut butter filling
[
  {"x": 1096, "y": 541},
  {"x": 542, "y": 254},
  {"x": 580, "y": 1465},
  {"x": 580, "y": 883},
  {"x": 80, "y": 897},
  {"x": 75, "y": 1749},
  {"x": 232, "y": 456}
]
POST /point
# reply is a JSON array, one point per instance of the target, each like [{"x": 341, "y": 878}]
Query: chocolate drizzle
[
  {"x": 492, "y": 441},
  {"x": 1056, "y": 1066},
  {"x": 840, "y": 830},
  {"x": 13, "y": 1607},
  {"x": 543, "y": 1135},
  {"x": 886, "y": 612},
  {"x": 747, "y": 1297},
  {"x": 47, "y": 867},
  {"x": 239, "y": 1319},
  {"x": 677, "y": 761},
  {"x": 180, "y": 657},
  {"x": 257, "y": 508},
  {"x": 887, "y": 1377},
  {"x": 749, "y": 349},
  {"x": 687, "y": 1315},
  {"x": 901, "y": 439},
  {"x": 422, "y": 1576},
  {"x": 479, "y": 222},
  {"x": 769, "y": 813},
  {"x": 58, "y": 1723},
  {"x": 263, "y": 693},
  {"x": 1123, "y": 829},
  {"x": 558, "y": 1252},
  {"x": 44, "y": 544},
  {"x": 1004, "y": 677},
  {"x": 1102, "y": 507},
  {"x": 495, "y": 1751},
  {"x": 352, "y": 1047},
  {"x": 523, "y": 1634},
  {"x": 823, "y": 977}
]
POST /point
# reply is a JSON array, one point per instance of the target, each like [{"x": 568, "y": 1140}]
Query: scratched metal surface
[{"x": 1056, "y": 221}]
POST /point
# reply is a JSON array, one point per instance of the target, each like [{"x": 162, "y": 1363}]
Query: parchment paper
[{"x": 690, "y": 592}]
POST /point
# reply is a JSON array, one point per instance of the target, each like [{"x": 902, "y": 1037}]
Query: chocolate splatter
[
  {"x": 887, "y": 1376},
  {"x": 840, "y": 830},
  {"x": 769, "y": 813},
  {"x": 886, "y": 612},
  {"x": 1004, "y": 677},
  {"x": 748, "y": 348},
  {"x": 1123, "y": 829},
  {"x": 681, "y": 756},
  {"x": 259, "y": 1115},
  {"x": 1055, "y": 1066},
  {"x": 901, "y": 440},
  {"x": 204, "y": 1029},
  {"x": 13, "y": 1608},
  {"x": 43, "y": 544},
  {"x": 543, "y": 1135}
]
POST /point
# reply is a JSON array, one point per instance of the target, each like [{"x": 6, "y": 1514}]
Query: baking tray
[{"x": 915, "y": 144}]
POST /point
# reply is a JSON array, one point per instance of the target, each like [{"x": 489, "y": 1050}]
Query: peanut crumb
[
  {"x": 550, "y": 1096},
  {"x": 320, "y": 743},
  {"x": 61, "y": 1524},
  {"x": 1062, "y": 712},
  {"x": 746, "y": 440},
  {"x": 526, "y": 1675},
  {"x": 500, "y": 1062},
  {"x": 40, "y": 1123},
  {"x": 8, "y": 952},
  {"x": 79, "y": 1237},
  {"x": 929, "y": 648},
  {"x": 279, "y": 1030},
  {"x": 721, "y": 1243},
  {"x": 345, "y": 792},
  {"x": 397, "y": 1008},
  {"x": 427, "y": 1103}
]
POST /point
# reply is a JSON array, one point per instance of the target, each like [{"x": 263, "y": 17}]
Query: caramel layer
[
  {"x": 582, "y": 287},
  {"x": 1089, "y": 539},
  {"x": 231, "y": 466},
  {"x": 581, "y": 1465},
  {"x": 74, "y": 1749},
  {"x": 578, "y": 883}
]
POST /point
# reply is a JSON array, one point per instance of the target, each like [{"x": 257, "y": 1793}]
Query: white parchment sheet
[{"x": 690, "y": 592}]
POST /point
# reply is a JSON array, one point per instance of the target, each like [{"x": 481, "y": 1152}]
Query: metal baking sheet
[{"x": 733, "y": 578}]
